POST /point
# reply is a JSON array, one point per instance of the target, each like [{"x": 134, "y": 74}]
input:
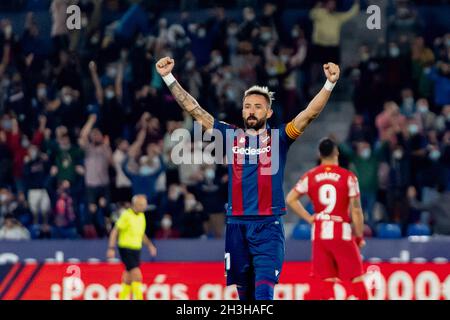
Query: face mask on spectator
[
  {"x": 201, "y": 33},
  {"x": 284, "y": 58},
  {"x": 145, "y": 170},
  {"x": 111, "y": 72},
  {"x": 398, "y": 154},
  {"x": 95, "y": 39},
  {"x": 67, "y": 99},
  {"x": 272, "y": 71},
  {"x": 189, "y": 65},
  {"x": 6, "y": 82},
  {"x": 365, "y": 154},
  {"x": 435, "y": 155},
  {"x": 33, "y": 154},
  {"x": 249, "y": 16},
  {"x": 295, "y": 33},
  {"x": 109, "y": 94},
  {"x": 42, "y": 93},
  {"x": 7, "y": 124},
  {"x": 8, "y": 31},
  {"x": 166, "y": 223},
  {"x": 394, "y": 52},
  {"x": 190, "y": 203},
  {"x": 230, "y": 94},
  {"x": 365, "y": 56},
  {"x": 408, "y": 101},
  {"x": 84, "y": 22},
  {"x": 3, "y": 197},
  {"x": 218, "y": 60},
  {"x": 227, "y": 75},
  {"x": 266, "y": 36},
  {"x": 232, "y": 31},
  {"x": 413, "y": 129},
  {"x": 422, "y": 108},
  {"x": 210, "y": 174},
  {"x": 25, "y": 143}
]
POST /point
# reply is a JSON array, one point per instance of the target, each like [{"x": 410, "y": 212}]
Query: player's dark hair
[{"x": 326, "y": 147}]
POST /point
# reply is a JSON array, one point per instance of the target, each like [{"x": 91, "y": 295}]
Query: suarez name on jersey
[{"x": 330, "y": 189}]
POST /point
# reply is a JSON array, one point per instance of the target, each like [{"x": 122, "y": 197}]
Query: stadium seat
[
  {"x": 302, "y": 231},
  {"x": 418, "y": 229},
  {"x": 389, "y": 231}
]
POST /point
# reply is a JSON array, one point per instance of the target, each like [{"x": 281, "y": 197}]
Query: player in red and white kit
[{"x": 335, "y": 250}]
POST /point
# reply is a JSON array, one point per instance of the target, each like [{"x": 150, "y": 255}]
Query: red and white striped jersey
[{"x": 330, "y": 189}]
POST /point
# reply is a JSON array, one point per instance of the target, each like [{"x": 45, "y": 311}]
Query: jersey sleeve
[
  {"x": 302, "y": 185},
  {"x": 122, "y": 222},
  {"x": 353, "y": 186}
]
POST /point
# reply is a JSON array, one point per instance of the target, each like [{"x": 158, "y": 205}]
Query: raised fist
[
  {"x": 164, "y": 66},
  {"x": 331, "y": 71}
]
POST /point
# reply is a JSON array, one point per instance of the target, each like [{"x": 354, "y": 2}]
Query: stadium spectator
[
  {"x": 175, "y": 205},
  {"x": 387, "y": 120},
  {"x": 13, "y": 230},
  {"x": 166, "y": 231},
  {"x": 22, "y": 212},
  {"x": 193, "y": 218},
  {"x": 36, "y": 172},
  {"x": 51, "y": 75},
  {"x": 327, "y": 29},
  {"x": 404, "y": 23},
  {"x": 326, "y": 35},
  {"x": 64, "y": 218},
  {"x": 98, "y": 157},
  {"x": 5, "y": 158},
  {"x": 143, "y": 170},
  {"x": 361, "y": 130},
  {"x": 440, "y": 76},
  {"x": 209, "y": 192},
  {"x": 59, "y": 31},
  {"x": 438, "y": 209},
  {"x": 122, "y": 186},
  {"x": 422, "y": 58},
  {"x": 399, "y": 181},
  {"x": 365, "y": 161}
]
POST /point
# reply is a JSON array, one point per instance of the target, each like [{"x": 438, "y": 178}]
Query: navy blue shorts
[{"x": 254, "y": 250}]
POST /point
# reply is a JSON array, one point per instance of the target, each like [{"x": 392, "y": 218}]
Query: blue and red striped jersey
[{"x": 256, "y": 169}]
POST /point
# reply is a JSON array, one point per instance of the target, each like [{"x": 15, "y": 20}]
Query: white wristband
[
  {"x": 169, "y": 79},
  {"x": 329, "y": 85}
]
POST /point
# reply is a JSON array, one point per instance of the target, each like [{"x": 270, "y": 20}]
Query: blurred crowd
[
  {"x": 399, "y": 140},
  {"x": 86, "y": 122}
]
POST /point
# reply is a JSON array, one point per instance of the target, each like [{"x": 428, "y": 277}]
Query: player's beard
[{"x": 254, "y": 123}]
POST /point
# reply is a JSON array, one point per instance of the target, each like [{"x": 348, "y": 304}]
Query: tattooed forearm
[{"x": 188, "y": 103}]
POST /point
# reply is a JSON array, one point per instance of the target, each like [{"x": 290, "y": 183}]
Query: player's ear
[{"x": 269, "y": 113}]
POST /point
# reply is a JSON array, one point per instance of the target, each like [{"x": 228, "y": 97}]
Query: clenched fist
[
  {"x": 332, "y": 71},
  {"x": 164, "y": 66}
]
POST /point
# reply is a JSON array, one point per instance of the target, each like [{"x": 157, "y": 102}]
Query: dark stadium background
[{"x": 393, "y": 98}]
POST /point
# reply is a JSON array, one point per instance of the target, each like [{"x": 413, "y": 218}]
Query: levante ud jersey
[{"x": 256, "y": 168}]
